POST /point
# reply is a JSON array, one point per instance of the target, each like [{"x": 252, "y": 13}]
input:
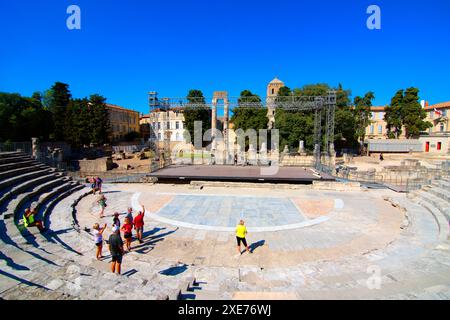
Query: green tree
[
  {"x": 58, "y": 100},
  {"x": 362, "y": 115},
  {"x": 393, "y": 116},
  {"x": 196, "y": 110},
  {"x": 413, "y": 115},
  {"x": 22, "y": 118},
  {"x": 294, "y": 126},
  {"x": 249, "y": 118},
  {"x": 99, "y": 120}
]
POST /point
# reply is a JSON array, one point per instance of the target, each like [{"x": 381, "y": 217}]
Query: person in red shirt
[
  {"x": 139, "y": 224},
  {"x": 127, "y": 229}
]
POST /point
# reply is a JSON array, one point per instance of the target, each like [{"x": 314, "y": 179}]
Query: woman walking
[
  {"x": 241, "y": 232},
  {"x": 127, "y": 230},
  {"x": 102, "y": 203},
  {"x": 98, "y": 239}
]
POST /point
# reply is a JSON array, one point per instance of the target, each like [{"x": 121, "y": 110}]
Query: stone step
[
  {"x": 14, "y": 159},
  {"x": 23, "y": 187},
  {"x": 21, "y": 177},
  {"x": 48, "y": 209},
  {"x": 16, "y": 172},
  {"x": 37, "y": 191},
  {"x": 15, "y": 165},
  {"x": 439, "y": 192},
  {"x": 47, "y": 197},
  {"x": 203, "y": 295},
  {"x": 441, "y": 184},
  {"x": 11, "y": 154},
  {"x": 438, "y": 203}
]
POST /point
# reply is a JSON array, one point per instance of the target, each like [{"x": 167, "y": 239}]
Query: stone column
[
  {"x": 225, "y": 130},
  {"x": 301, "y": 147},
  {"x": 214, "y": 120},
  {"x": 35, "y": 148}
]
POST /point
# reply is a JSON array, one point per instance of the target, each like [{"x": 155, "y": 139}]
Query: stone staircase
[
  {"x": 57, "y": 264},
  {"x": 436, "y": 199}
]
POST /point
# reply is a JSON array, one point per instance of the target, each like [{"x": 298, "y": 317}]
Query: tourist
[
  {"x": 102, "y": 203},
  {"x": 139, "y": 225},
  {"x": 98, "y": 184},
  {"x": 116, "y": 220},
  {"x": 127, "y": 230},
  {"x": 241, "y": 232},
  {"x": 235, "y": 160},
  {"x": 98, "y": 239},
  {"x": 91, "y": 180},
  {"x": 130, "y": 214},
  {"x": 30, "y": 220},
  {"x": 116, "y": 250},
  {"x": 381, "y": 157}
]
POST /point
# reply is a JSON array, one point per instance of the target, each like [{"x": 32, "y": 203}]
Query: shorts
[
  {"x": 141, "y": 229},
  {"x": 239, "y": 240},
  {"x": 116, "y": 258},
  {"x": 127, "y": 235},
  {"x": 99, "y": 244}
]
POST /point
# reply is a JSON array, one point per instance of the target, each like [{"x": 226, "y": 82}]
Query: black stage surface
[{"x": 188, "y": 173}]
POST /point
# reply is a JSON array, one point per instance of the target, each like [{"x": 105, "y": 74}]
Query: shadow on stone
[
  {"x": 174, "y": 271},
  {"x": 256, "y": 245}
]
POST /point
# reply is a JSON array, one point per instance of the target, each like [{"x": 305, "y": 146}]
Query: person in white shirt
[{"x": 98, "y": 239}]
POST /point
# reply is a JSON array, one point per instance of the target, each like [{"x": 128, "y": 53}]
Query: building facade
[
  {"x": 163, "y": 123},
  {"x": 436, "y": 140},
  {"x": 122, "y": 121}
]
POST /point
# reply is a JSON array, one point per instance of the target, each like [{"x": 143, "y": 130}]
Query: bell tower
[{"x": 273, "y": 88}]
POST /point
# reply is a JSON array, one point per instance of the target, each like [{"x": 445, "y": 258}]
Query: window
[
  {"x": 159, "y": 125},
  {"x": 380, "y": 129},
  {"x": 444, "y": 112},
  {"x": 442, "y": 128},
  {"x": 431, "y": 114},
  {"x": 374, "y": 115},
  {"x": 168, "y": 125},
  {"x": 372, "y": 129},
  {"x": 177, "y": 126},
  {"x": 439, "y": 146},
  {"x": 159, "y": 136},
  {"x": 273, "y": 91}
]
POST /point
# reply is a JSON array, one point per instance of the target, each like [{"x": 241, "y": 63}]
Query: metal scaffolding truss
[{"x": 323, "y": 107}]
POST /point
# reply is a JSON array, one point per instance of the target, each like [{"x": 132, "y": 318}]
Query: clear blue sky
[{"x": 127, "y": 48}]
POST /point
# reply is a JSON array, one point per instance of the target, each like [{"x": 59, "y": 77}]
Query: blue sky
[{"x": 127, "y": 48}]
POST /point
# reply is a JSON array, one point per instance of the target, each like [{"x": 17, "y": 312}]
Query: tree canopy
[
  {"x": 193, "y": 113},
  {"x": 54, "y": 116}
]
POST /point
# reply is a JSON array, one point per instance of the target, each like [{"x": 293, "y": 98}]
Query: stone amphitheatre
[{"x": 326, "y": 240}]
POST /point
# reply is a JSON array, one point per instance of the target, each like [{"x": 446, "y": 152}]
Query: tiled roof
[
  {"x": 441, "y": 105},
  {"x": 113, "y": 106}
]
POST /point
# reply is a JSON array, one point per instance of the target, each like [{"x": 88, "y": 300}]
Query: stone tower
[{"x": 272, "y": 91}]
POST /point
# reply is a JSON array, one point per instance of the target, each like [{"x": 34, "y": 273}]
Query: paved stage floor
[{"x": 240, "y": 173}]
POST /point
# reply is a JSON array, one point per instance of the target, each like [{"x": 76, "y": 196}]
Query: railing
[
  {"x": 16, "y": 146},
  {"x": 407, "y": 180},
  {"x": 129, "y": 148}
]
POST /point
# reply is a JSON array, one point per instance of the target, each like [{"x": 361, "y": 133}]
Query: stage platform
[{"x": 188, "y": 173}]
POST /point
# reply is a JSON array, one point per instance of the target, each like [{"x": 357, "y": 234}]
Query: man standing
[
  {"x": 139, "y": 224},
  {"x": 241, "y": 232},
  {"x": 116, "y": 249}
]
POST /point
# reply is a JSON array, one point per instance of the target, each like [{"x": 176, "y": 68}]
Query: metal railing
[{"x": 8, "y": 146}]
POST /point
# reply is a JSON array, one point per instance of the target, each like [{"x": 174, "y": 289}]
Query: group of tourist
[
  {"x": 116, "y": 244},
  {"x": 96, "y": 184}
]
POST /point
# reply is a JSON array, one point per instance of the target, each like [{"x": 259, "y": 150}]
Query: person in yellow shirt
[{"x": 241, "y": 232}]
